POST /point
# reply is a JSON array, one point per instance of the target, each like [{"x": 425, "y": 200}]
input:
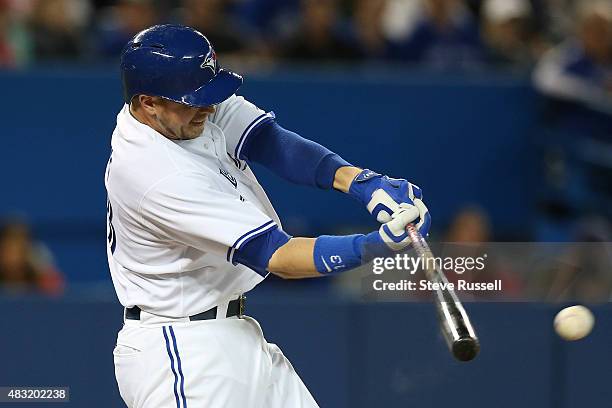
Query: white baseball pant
[{"x": 220, "y": 363}]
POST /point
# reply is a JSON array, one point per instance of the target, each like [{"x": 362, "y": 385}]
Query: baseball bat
[{"x": 455, "y": 324}]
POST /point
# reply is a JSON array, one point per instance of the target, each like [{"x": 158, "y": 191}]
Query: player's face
[{"x": 178, "y": 121}]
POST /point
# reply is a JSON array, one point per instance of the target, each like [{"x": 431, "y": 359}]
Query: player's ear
[{"x": 148, "y": 103}]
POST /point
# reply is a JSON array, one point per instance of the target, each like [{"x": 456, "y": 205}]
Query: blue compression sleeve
[
  {"x": 257, "y": 252},
  {"x": 290, "y": 156},
  {"x": 334, "y": 254}
]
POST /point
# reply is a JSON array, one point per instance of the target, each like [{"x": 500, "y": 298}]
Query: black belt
[{"x": 234, "y": 308}]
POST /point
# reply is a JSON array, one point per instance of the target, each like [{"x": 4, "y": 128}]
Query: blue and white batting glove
[
  {"x": 383, "y": 195},
  {"x": 393, "y": 233}
]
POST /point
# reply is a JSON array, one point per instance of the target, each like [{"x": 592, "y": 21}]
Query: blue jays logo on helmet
[
  {"x": 178, "y": 63},
  {"x": 210, "y": 61}
]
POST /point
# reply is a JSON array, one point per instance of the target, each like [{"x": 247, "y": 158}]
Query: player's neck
[
  {"x": 141, "y": 117},
  {"x": 138, "y": 115}
]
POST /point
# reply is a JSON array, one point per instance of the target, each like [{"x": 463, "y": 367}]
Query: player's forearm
[
  {"x": 344, "y": 177},
  {"x": 294, "y": 260},
  {"x": 323, "y": 256}
]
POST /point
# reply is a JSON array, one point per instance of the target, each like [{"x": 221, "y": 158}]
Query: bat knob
[{"x": 466, "y": 348}]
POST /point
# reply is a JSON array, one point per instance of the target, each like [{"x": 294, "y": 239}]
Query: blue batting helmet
[{"x": 177, "y": 63}]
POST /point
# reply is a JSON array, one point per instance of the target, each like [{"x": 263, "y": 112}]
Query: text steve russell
[{"x": 424, "y": 284}]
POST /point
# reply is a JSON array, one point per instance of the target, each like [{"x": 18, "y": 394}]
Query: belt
[{"x": 234, "y": 308}]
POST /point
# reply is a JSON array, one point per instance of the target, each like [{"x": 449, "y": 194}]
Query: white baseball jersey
[{"x": 177, "y": 211}]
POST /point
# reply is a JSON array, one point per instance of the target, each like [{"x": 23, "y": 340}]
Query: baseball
[{"x": 574, "y": 322}]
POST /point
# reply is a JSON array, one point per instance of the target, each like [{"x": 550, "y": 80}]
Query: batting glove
[
  {"x": 383, "y": 195},
  {"x": 391, "y": 237},
  {"x": 393, "y": 233}
]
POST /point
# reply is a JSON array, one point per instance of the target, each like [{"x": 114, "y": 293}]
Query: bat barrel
[
  {"x": 454, "y": 321},
  {"x": 457, "y": 330},
  {"x": 465, "y": 348}
]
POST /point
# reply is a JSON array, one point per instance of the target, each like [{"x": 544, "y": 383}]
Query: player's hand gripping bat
[{"x": 454, "y": 321}]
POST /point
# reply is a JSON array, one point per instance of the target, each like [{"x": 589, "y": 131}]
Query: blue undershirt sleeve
[
  {"x": 292, "y": 157},
  {"x": 257, "y": 252}
]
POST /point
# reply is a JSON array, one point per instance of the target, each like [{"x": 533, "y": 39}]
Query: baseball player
[{"x": 190, "y": 229}]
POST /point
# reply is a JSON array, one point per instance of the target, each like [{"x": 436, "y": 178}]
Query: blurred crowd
[
  {"x": 441, "y": 34},
  {"x": 26, "y": 265}
]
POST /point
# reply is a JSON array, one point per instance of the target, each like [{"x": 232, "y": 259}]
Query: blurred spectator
[
  {"x": 582, "y": 271},
  {"x": 7, "y": 57},
  {"x": 369, "y": 36},
  {"x": 469, "y": 235},
  {"x": 56, "y": 29},
  {"x": 580, "y": 69},
  {"x": 319, "y": 36},
  {"x": 271, "y": 19},
  {"x": 559, "y": 17},
  {"x": 119, "y": 23},
  {"x": 26, "y": 266},
  {"x": 212, "y": 19},
  {"x": 399, "y": 18},
  {"x": 509, "y": 33},
  {"x": 576, "y": 78},
  {"x": 470, "y": 225},
  {"x": 14, "y": 38},
  {"x": 441, "y": 34}
]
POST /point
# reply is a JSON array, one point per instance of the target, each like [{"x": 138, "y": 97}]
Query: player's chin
[{"x": 193, "y": 130}]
